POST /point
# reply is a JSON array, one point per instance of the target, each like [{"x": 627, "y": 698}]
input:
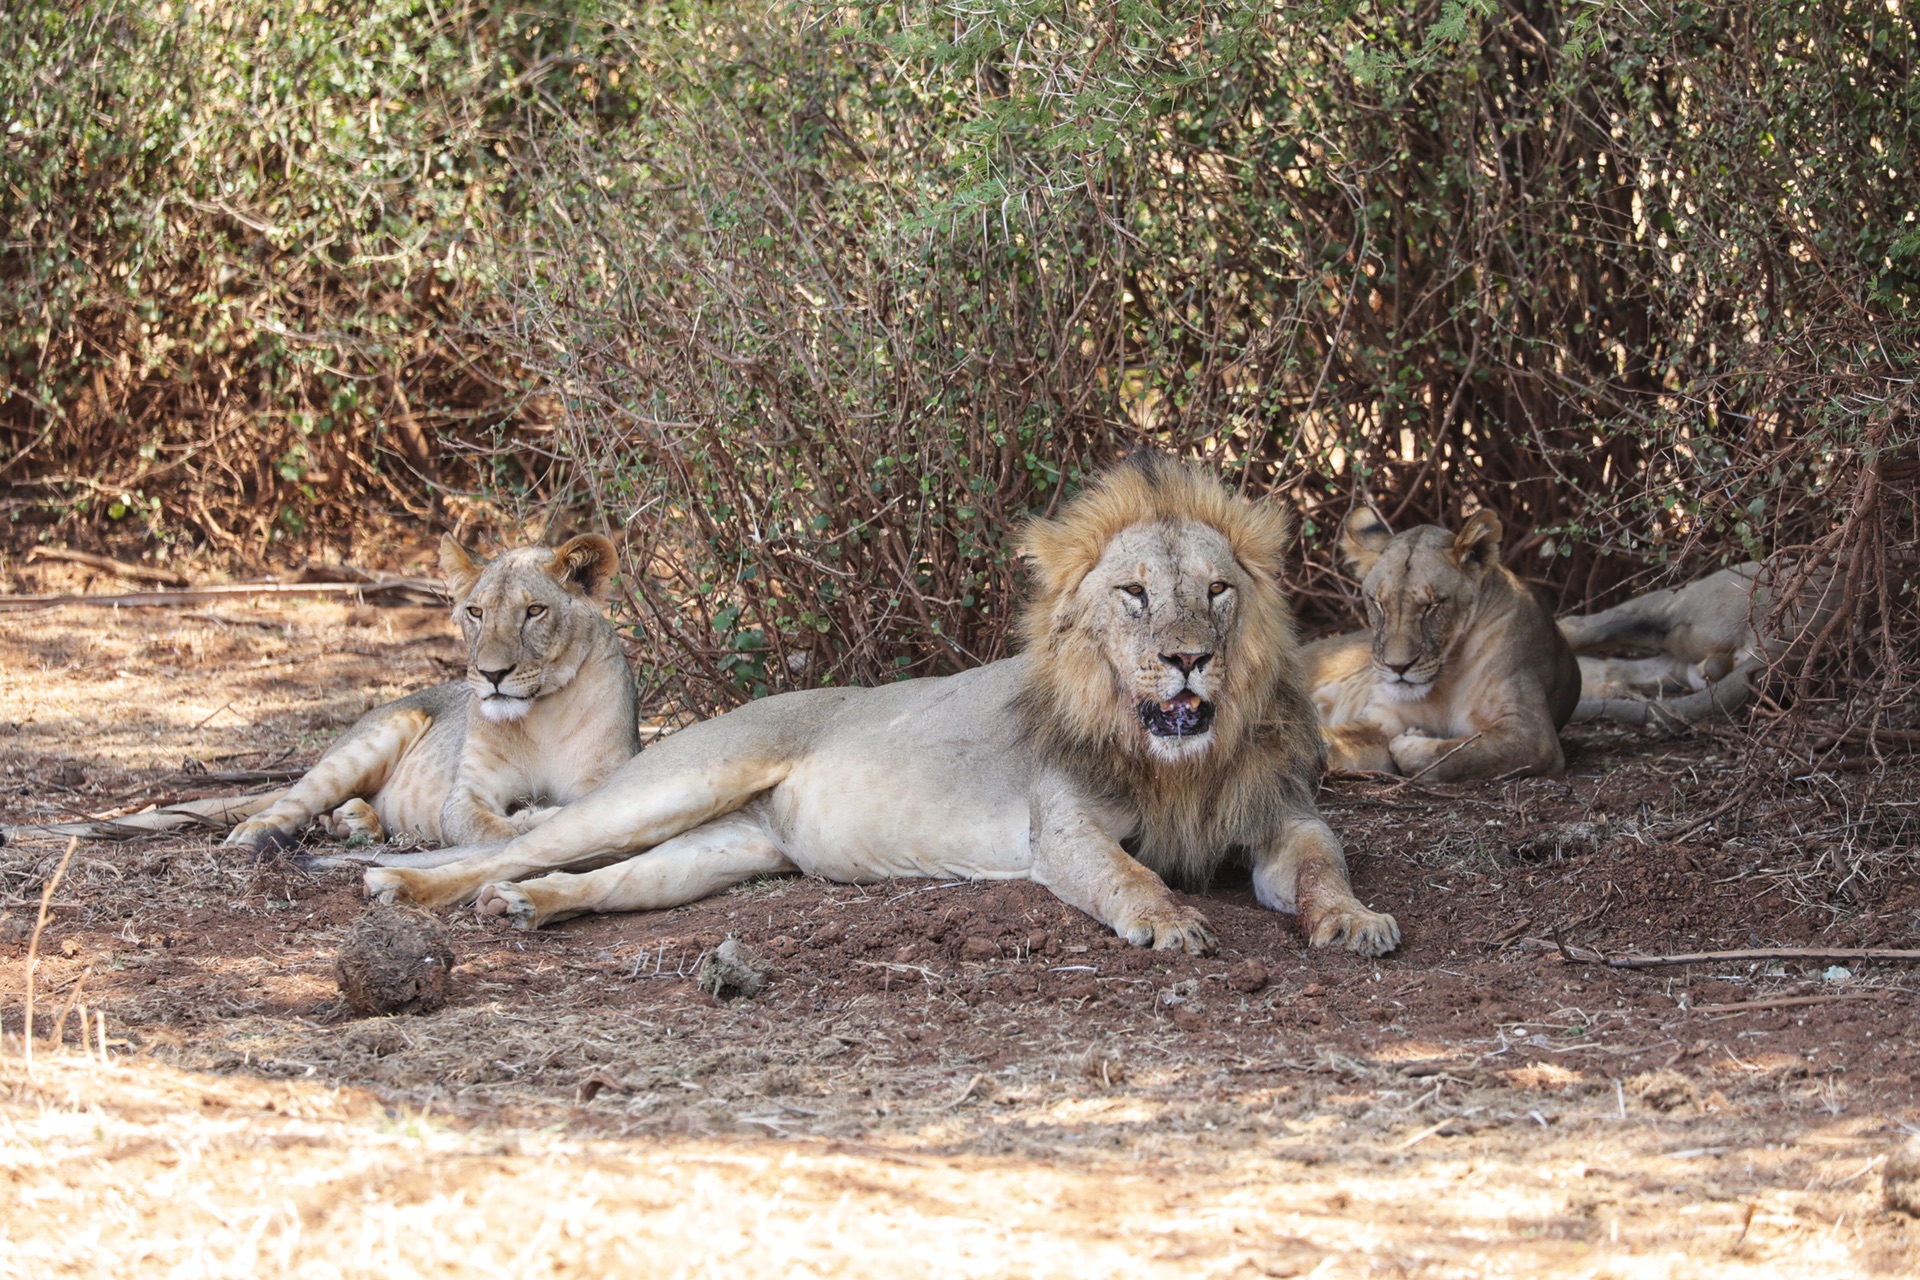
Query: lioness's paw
[
  {"x": 261, "y": 837},
  {"x": 1354, "y": 928},
  {"x": 1173, "y": 927},
  {"x": 527, "y": 819},
  {"x": 1413, "y": 751},
  {"x": 385, "y": 885},
  {"x": 355, "y": 818},
  {"x": 507, "y": 900}
]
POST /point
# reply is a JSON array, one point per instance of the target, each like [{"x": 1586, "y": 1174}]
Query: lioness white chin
[
  {"x": 547, "y": 710},
  {"x": 1153, "y": 726}
]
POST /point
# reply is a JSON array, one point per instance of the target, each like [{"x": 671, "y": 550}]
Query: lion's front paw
[
  {"x": 260, "y": 836},
  {"x": 385, "y": 885},
  {"x": 527, "y": 819},
  {"x": 1354, "y": 928},
  {"x": 1413, "y": 751},
  {"x": 509, "y": 900},
  {"x": 355, "y": 819},
  {"x": 1172, "y": 927}
]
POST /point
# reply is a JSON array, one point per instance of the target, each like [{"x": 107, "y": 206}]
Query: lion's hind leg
[
  {"x": 698, "y": 864},
  {"x": 357, "y": 766},
  {"x": 1305, "y": 871},
  {"x": 696, "y": 776}
]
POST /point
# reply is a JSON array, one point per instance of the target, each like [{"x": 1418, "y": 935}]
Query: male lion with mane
[{"x": 1152, "y": 727}]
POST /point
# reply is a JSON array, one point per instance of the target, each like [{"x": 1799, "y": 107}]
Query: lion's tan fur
[
  {"x": 436, "y": 765},
  {"x": 1157, "y": 586},
  {"x": 1267, "y": 755},
  {"x": 1461, "y": 674}
]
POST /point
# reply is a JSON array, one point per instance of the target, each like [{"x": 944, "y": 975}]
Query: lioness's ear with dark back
[
  {"x": 460, "y": 567},
  {"x": 1477, "y": 545},
  {"x": 1363, "y": 536},
  {"x": 586, "y": 564}
]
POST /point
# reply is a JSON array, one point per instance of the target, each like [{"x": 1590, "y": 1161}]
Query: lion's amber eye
[
  {"x": 1135, "y": 590},
  {"x": 1216, "y": 588},
  {"x": 473, "y": 611},
  {"x": 535, "y": 610}
]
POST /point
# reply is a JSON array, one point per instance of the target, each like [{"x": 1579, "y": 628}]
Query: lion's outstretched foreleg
[
  {"x": 1304, "y": 870},
  {"x": 706, "y": 860},
  {"x": 1076, "y": 856},
  {"x": 693, "y": 777},
  {"x": 1360, "y": 747},
  {"x": 357, "y": 766},
  {"x": 1517, "y": 739}
]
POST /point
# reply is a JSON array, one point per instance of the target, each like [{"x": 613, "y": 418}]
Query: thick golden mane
[{"x": 1266, "y": 756}]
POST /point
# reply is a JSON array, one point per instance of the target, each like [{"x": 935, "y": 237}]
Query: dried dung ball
[
  {"x": 979, "y": 949},
  {"x": 395, "y": 960},
  {"x": 1248, "y": 976},
  {"x": 1664, "y": 1090},
  {"x": 1901, "y": 1179},
  {"x": 729, "y": 970}
]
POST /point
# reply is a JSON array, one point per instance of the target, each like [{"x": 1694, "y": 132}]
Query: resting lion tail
[
  {"x": 1724, "y": 697},
  {"x": 215, "y": 813}
]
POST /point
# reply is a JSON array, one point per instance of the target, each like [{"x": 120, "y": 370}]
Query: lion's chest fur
[{"x": 566, "y": 743}]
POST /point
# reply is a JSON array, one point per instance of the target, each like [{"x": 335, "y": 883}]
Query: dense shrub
[
  {"x": 814, "y": 303},
  {"x": 843, "y": 297},
  {"x": 234, "y": 237}
]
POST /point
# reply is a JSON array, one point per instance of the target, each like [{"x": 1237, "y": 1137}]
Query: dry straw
[{"x": 33, "y": 947}]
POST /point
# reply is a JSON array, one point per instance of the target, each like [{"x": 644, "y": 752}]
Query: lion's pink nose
[{"x": 1186, "y": 663}]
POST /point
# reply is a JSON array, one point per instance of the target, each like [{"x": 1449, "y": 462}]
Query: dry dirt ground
[{"x": 944, "y": 1079}]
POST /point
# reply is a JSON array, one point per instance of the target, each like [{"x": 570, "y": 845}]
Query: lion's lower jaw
[
  {"x": 502, "y": 709},
  {"x": 1179, "y": 750},
  {"x": 1403, "y": 690}
]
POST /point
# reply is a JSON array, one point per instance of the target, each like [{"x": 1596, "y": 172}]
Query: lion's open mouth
[{"x": 1185, "y": 715}]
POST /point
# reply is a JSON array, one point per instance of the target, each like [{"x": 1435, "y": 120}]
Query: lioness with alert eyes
[
  {"x": 546, "y": 711},
  {"x": 1153, "y": 727},
  {"x": 1460, "y": 673}
]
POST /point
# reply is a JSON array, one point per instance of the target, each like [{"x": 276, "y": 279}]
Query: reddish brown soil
[{"x": 989, "y": 1021}]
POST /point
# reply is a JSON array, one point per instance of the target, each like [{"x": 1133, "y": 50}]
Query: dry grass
[{"x": 138, "y": 1169}]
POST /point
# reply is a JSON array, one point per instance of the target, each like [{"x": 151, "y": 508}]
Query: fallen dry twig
[
  {"x": 395, "y": 590},
  {"x": 214, "y": 813},
  {"x": 33, "y": 946},
  {"x": 1791, "y": 1002},
  {"x": 107, "y": 564},
  {"x": 1633, "y": 961}
]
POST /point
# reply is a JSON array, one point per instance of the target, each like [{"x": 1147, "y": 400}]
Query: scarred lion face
[
  {"x": 1162, "y": 603},
  {"x": 527, "y": 617}
]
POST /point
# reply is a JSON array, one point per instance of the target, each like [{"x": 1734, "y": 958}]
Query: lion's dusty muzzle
[{"x": 1185, "y": 715}]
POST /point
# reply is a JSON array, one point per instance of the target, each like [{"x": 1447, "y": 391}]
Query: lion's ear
[
  {"x": 460, "y": 567},
  {"x": 586, "y": 564},
  {"x": 1477, "y": 545},
  {"x": 1363, "y": 536}
]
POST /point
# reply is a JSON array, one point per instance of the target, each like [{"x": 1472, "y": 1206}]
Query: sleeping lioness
[
  {"x": 1460, "y": 674},
  {"x": 1152, "y": 727},
  {"x": 1688, "y": 654},
  {"x": 546, "y": 711}
]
